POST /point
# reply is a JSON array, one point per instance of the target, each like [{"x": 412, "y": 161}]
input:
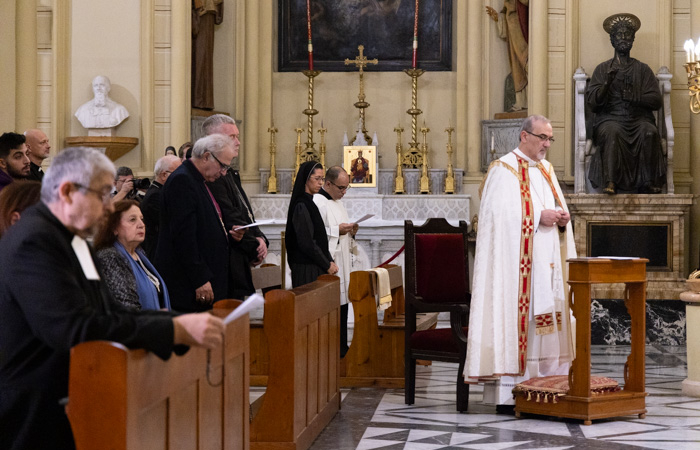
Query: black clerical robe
[
  {"x": 47, "y": 306},
  {"x": 236, "y": 210}
]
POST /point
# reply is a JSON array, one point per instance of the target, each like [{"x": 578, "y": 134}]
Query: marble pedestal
[
  {"x": 691, "y": 385},
  {"x": 664, "y": 210}
]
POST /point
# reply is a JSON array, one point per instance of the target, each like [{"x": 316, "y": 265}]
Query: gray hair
[
  {"x": 78, "y": 165},
  {"x": 123, "y": 171},
  {"x": 530, "y": 120},
  {"x": 214, "y": 144},
  {"x": 215, "y": 121},
  {"x": 333, "y": 173},
  {"x": 163, "y": 163}
]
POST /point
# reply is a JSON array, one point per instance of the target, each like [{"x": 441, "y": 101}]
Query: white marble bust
[{"x": 101, "y": 111}]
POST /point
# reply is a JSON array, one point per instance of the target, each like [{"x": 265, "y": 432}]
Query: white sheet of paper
[
  {"x": 363, "y": 218},
  {"x": 248, "y": 305},
  {"x": 621, "y": 258},
  {"x": 254, "y": 224}
]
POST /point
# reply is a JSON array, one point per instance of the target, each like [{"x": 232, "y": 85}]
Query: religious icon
[{"x": 361, "y": 164}]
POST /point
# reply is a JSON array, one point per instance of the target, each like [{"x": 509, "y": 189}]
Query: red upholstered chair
[{"x": 437, "y": 280}]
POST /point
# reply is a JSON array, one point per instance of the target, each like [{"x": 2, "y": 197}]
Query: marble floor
[{"x": 379, "y": 419}]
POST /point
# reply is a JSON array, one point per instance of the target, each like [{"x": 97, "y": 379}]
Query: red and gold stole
[{"x": 526, "y": 241}]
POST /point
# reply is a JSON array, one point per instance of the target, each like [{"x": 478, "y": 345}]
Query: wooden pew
[
  {"x": 376, "y": 354},
  {"x": 130, "y": 399},
  {"x": 265, "y": 278},
  {"x": 303, "y": 393}
]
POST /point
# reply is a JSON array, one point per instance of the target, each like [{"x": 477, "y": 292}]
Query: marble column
[
  {"x": 180, "y": 74},
  {"x": 691, "y": 385},
  {"x": 26, "y": 66}
]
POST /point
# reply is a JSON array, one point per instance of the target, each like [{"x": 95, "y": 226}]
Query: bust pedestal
[{"x": 113, "y": 146}]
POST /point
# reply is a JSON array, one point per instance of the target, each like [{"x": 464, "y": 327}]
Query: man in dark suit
[
  {"x": 236, "y": 211},
  {"x": 150, "y": 205},
  {"x": 193, "y": 244},
  {"x": 38, "y": 149},
  {"x": 52, "y": 297}
]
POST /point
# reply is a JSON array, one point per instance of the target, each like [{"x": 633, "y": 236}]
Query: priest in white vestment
[
  {"x": 520, "y": 324},
  {"x": 340, "y": 237}
]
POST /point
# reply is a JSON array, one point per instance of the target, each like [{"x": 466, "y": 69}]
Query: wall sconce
[{"x": 692, "y": 66}]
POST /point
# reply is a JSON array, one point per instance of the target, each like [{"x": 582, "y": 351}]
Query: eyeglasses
[
  {"x": 224, "y": 168},
  {"x": 342, "y": 188},
  {"x": 317, "y": 178},
  {"x": 105, "y": 195},
  {"x": 542, "y": 137}
]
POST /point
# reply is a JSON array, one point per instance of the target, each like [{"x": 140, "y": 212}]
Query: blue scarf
[{"x": 148, "y": 295}]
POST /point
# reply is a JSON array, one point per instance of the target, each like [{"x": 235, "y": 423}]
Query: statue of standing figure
[
  {"x": 623, "y": 94},
  {"x": 513, "y": 28},
  {"x": 205, "y": 15}
]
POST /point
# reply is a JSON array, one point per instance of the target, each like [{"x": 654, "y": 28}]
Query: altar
[{"x": 382, "y": 235}]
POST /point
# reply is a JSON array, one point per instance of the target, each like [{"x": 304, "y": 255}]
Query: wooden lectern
[{"x": 579, "y": 403}]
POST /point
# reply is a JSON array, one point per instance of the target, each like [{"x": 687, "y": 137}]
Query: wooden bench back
[
  {"x": 130, "y": 399},
  {"x": 303, "y": 393}
]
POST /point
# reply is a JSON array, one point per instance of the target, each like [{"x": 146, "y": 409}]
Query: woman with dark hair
[
  {"x": 130, "y": 276},
  {"x": 170, "y": 150},
  {"x": 305, "y": 237},
  {"x": 14, "y": 199},
  {"x": 184, "y": 150}
]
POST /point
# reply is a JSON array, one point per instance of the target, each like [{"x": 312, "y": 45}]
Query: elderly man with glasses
[
  {"x": 236, "y": 210},
  {"x": 193, "y": 243},
  {"x": 340, "y": 237},
  {"x": 53, "y": 297},
  {"x": 520, "y": 325}
]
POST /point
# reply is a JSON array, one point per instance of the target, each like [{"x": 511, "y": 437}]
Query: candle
[
  {"x": 697, "y": 51},
  {"x": 308, "y": 28},
  {"x": 415, "y": 37},
  {"x": 689, "y": 47},
  {"x": 492, "y": 142}
]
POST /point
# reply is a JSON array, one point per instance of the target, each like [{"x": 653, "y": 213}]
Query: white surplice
[
  {"x": 499, "y": 352},
  {"x": 334, "y": 213}
]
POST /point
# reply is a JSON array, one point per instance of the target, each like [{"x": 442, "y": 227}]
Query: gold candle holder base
[
  {"x": 272, "y": 180},
  {"x": 398, "y": 180},
  {"x": 413, "y": 158},
  {"x": 450, "y": 177},
  {"x": 424, "y": 179},
  {"x": 310, "y": 112}
]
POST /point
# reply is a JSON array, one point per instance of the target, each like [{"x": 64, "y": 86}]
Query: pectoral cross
[{"x": 361, "y": 62}]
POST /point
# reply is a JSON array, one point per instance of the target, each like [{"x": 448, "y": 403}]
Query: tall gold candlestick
[
  {"x": 424, "y": 179},
  {"x": 310, "y": 112},
  {"x": 413, "y": 157},
  {"x": 272, "y": 180},
  {"x": 398, "y": 180},
  {"x": 322, "y": 146},
  {"x": 450, "y": 178},
  {"x": 297, "y": 152}
]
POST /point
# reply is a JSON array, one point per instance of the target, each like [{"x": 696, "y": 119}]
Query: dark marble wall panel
[{"x": 610, "y": 323}]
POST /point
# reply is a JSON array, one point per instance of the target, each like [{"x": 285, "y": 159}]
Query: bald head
[{"x": 37, "y": 145}]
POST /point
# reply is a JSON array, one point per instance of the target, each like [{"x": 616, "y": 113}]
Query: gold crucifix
[{"x": 361, "y": 62}]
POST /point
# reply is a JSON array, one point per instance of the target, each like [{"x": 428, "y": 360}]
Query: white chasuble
[
  {"x": 520, "y": 324},
  {"x": 334, "y": 213}
]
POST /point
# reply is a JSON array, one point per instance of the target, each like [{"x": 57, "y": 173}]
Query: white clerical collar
[
  {"x": 82, "y": 251},
  {"x": 531, "y": 162}
]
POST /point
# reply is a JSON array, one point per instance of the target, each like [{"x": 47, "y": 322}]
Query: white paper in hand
[{"x": 252, "y": 302}]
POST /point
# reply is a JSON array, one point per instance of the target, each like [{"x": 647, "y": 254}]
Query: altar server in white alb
[
  {"x": 340, "y": 237},
  {"x": 520, "y": 324}
]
